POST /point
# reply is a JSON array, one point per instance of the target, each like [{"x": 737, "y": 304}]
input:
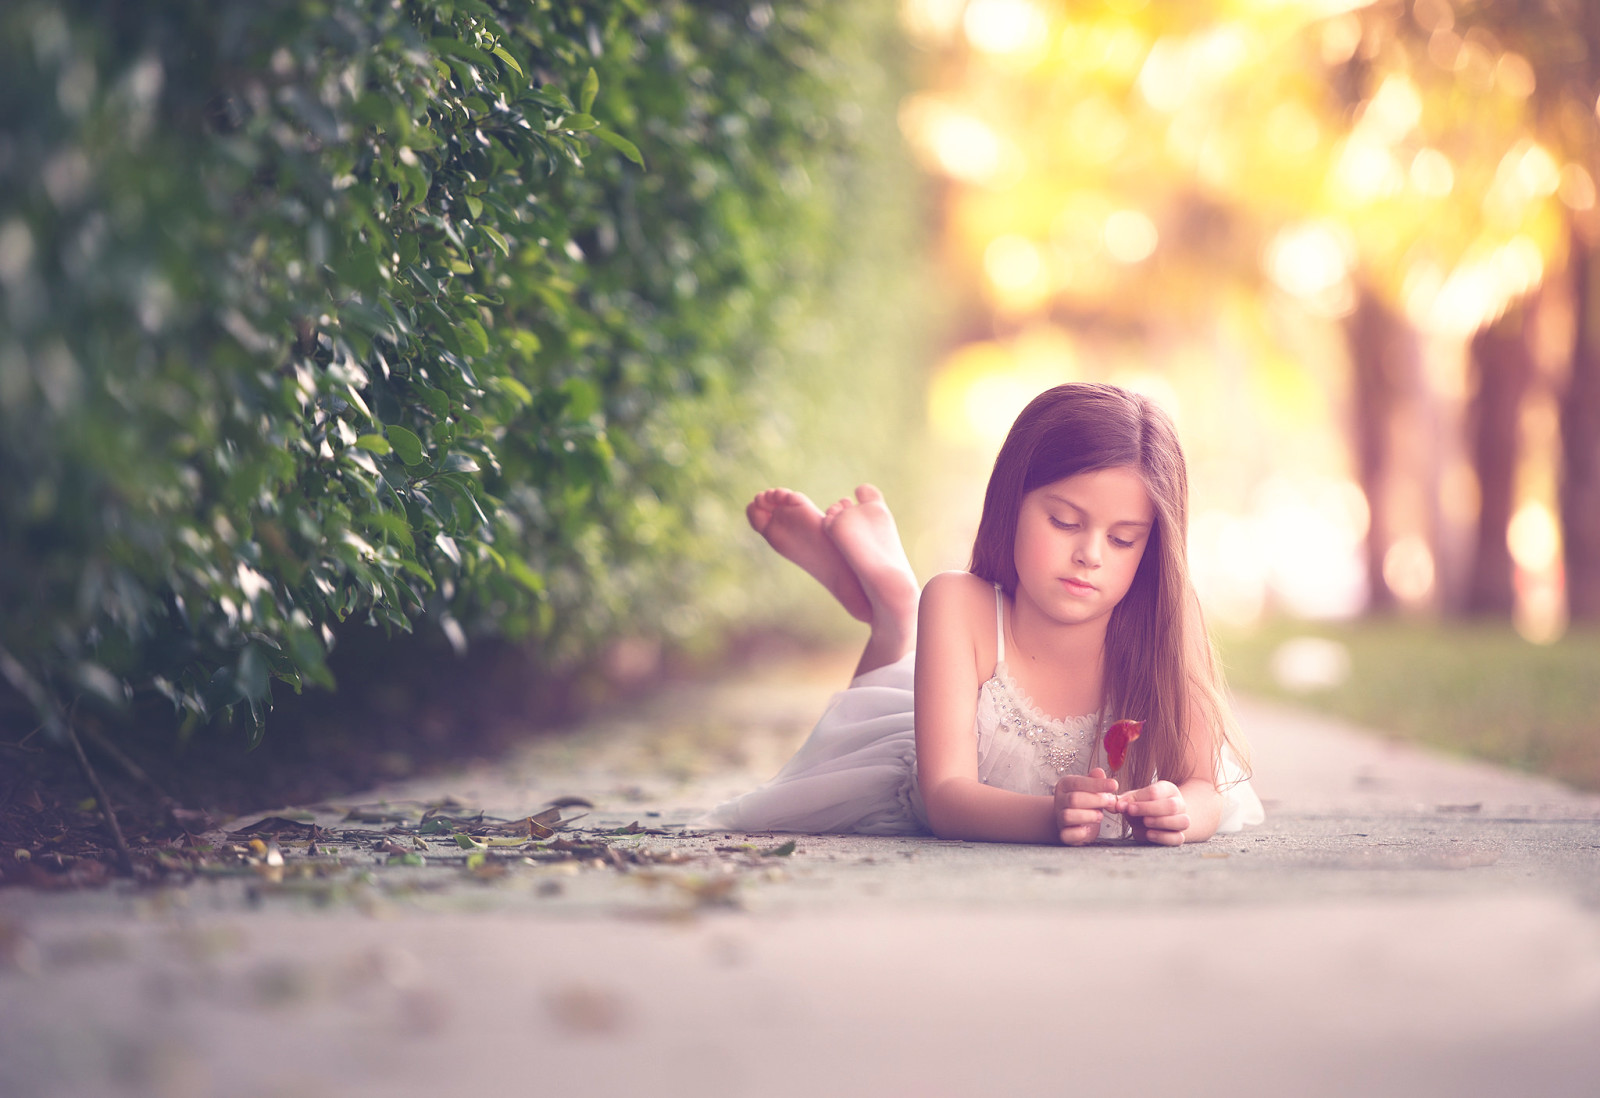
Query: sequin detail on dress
[{"x": 1062, "y": 745}]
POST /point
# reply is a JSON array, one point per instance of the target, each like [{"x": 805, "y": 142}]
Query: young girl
[{"x": 1077, "y": 603}]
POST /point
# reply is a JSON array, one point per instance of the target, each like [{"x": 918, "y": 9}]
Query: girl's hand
[
  {"x": 1080, "y": 801},
  {"x": 1157, "y": 813}
]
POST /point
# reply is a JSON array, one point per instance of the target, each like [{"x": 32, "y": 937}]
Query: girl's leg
[
  {"x": 867, "y": 540},
  {"x": 792, "y": 524}
]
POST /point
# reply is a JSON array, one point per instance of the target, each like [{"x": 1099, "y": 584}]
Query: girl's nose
[{"x": 1088, "y": 553}]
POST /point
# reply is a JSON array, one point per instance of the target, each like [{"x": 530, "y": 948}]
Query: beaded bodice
[{"x": 1020, "y": 748}]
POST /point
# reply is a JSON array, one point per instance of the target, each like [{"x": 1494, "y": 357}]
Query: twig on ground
[{"x": 45, "y": 705}]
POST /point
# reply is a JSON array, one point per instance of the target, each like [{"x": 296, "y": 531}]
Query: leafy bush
[{"x": 328, "y": 310}]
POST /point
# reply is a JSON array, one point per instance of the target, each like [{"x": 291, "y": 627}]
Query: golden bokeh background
[{"x": 1268, "y": 215}]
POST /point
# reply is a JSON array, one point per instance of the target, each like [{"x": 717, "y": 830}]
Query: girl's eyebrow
[{"x": 1081, "y": 511}]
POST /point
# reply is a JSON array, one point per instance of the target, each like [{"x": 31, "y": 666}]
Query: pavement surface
[{"x": 1403, "y": 923}]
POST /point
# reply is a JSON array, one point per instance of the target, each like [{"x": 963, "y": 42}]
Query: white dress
[{"x": 857, "y": 771}]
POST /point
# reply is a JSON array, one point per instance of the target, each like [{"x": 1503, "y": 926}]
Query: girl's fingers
[
  {"x": 1166, "y": 807},
  {"x": 1153, "y": 791},
  {"x": 1080, "y": 817},
  {"x": 1179, "y": 822},
  {"x": 1164, "y": 838},
  {"x": 1096, "y": 801},
  {"x": 1079, "y": 836}
]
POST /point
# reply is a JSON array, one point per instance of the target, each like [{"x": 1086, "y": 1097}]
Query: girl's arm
[
  {"x": 957, "y": 609},
  {"x": 1172, "y": 815}
]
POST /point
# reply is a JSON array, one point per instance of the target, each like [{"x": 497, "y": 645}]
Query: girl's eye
[
  {"x": 1120, "y": 544},
  {"x": 1059, "y": 525}
]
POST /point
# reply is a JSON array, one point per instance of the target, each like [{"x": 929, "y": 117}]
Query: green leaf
[
  {"x": 467, "y": 842},
  {"x": 452, "y": 47},
  {"x": 459, "y": 463},
  {"x": 512, "y": 61},
  {"x": 621, "y": 144},
  {"x": 591, "y": 88},
  {"x": 583, "y": 398},
  {"x": 518, "y": 570},
  {"x": 511, "y": 387},
  {"x": 438, "y": 403},
  {"x": 474, "y": 340},
  {"x": 500, "y": 242},
  {"x": 406, "y": 444},
  {"x": 475, "y": 207},
  {"x": 394, "y": 524},
  {"x": 376, "y": 443}
]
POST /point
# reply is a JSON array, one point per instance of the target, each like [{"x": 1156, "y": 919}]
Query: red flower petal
[{"x": 1118, "y": 737}]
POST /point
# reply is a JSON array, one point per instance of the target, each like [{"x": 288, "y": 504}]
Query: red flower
[{"x": 1118, "y": 737}]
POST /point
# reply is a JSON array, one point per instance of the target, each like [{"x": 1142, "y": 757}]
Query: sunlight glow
[
  {"x": 1367, "y": 171},
  {"x": 1177, "y": 69},
  {"x": 1298, "y": 549},
  {"x": 957, "y": 144},
  {"x": 1432, "y": 173},
  {"x": 1525, "y": 174},
  {"x": 1312, "y": 262},
  {"x": 1515, "y": 76},
  {"x": 1131, "y": 237},
  {"x": 1012, "y": 263},
  {"x": 1003, "y": 26},
  {"x": 1577, "y": 187},
  {"x": 1534, "y": 537},
  {"x": 1392, "y": 113},
  {"x": 1408, "y": 570},
  {"x": 1097, "y": 129},
  {"x": 1477, "y": 291},
  {"x": 931, "y": 20},
  {"x": 980, "y": 388}
]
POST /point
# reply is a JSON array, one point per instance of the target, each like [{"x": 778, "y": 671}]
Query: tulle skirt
[{"x": 857, "y": 772}]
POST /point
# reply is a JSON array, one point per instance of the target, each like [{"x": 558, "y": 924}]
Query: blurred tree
[
  {"x": 1553, "y": 47},
  {"x": 1502, "y": 367}
]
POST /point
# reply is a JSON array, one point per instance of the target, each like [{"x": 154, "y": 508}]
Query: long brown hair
[{"x": 1160, "y": 666}]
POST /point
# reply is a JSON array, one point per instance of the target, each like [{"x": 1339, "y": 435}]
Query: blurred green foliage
[
  {"x": 474, "y": 313},
  {"x": 1476, "y": 689}
]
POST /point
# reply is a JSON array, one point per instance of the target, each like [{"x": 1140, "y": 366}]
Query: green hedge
[{"x": 472, "y": 313}]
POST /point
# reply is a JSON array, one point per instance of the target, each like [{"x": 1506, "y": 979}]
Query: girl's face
[{"x": 1079, "y": 543}]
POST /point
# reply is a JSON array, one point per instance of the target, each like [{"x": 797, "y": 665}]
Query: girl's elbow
[{"x": 944, "y": 818}]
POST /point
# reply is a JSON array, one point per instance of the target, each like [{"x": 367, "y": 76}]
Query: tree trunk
[
  {"x": 1502, "y": 364},
  {"x": 1580, "y": 445},
  {"x": 1374, "y": 336}
]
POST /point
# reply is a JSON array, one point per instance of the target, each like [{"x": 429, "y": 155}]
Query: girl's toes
[{"x": 866, "y": 493}]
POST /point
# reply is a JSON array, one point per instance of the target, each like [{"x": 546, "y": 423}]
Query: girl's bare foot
[
  {"x": 867, "y": 539},
  {"x": 792, "y": 524}
]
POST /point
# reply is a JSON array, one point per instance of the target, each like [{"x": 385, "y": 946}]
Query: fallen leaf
[
  {"x": 570, "y": 802},
  {"x": 270, "y": 825},
  {"x": 782, "y": 851}
]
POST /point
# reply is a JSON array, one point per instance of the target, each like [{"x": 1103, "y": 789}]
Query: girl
[{"x": 1077, "y": 601}]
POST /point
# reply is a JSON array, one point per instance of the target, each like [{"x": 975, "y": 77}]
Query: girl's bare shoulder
[{"x": 959, "y": 597}]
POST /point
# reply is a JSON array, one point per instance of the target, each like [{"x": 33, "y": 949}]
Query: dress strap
[{"x": 999, "y": 625}]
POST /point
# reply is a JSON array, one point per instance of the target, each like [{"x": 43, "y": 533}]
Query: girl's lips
[{"x": 1079, "y": 587}]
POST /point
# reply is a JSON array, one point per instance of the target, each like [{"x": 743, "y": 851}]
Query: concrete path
[{"x": 1404, "y": 923}]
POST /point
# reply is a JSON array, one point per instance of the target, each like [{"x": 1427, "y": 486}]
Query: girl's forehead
[{"x": 1118, "y": 493}]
